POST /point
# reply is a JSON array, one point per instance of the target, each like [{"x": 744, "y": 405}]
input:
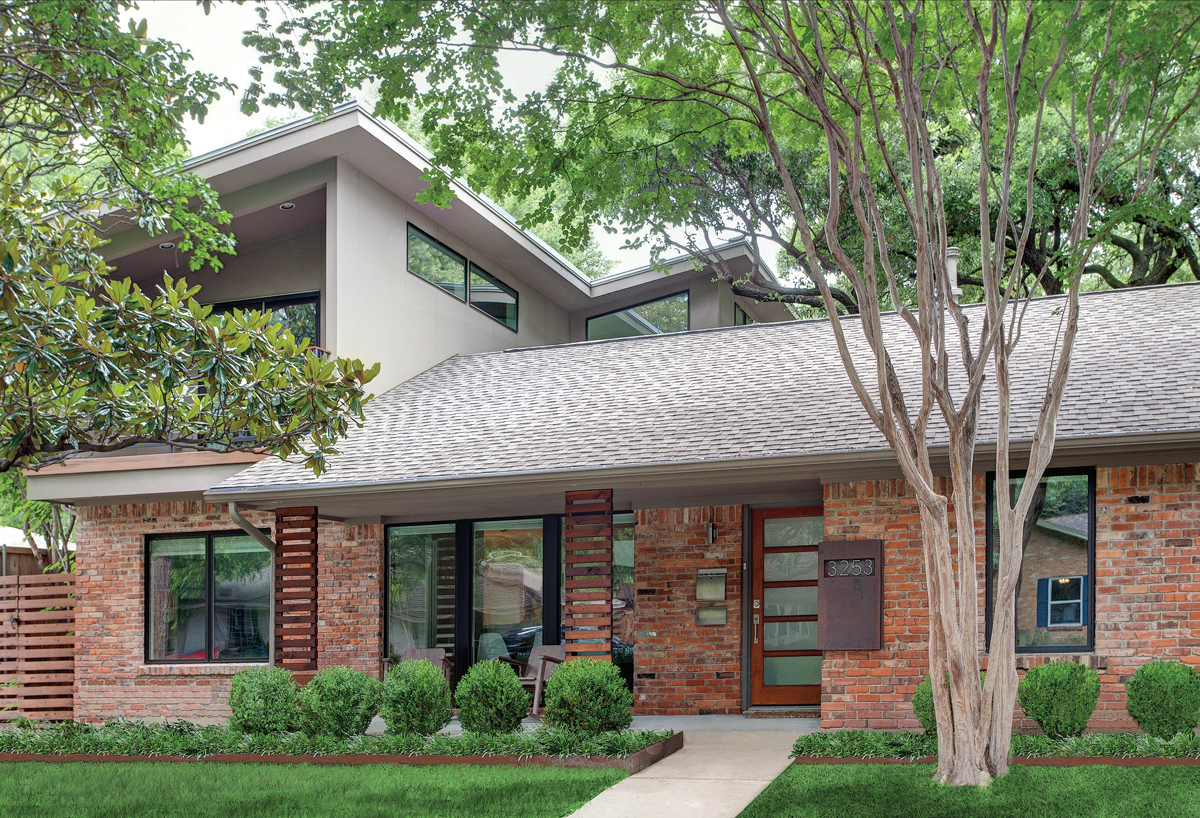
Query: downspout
[
  {"x": 244, "y": 524},
  {"x": 4, "y": 559}
]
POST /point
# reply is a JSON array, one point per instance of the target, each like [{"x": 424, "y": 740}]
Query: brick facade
[
  {"x": 1147, "y": 602},
  {"x": 681, "y": 668},
  {"x": 112, "y": 678}
]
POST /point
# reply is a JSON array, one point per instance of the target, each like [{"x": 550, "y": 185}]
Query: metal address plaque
[{"x": 849, "y": 568}]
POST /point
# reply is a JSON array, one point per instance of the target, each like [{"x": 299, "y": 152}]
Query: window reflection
[
  {"x": 1051, "y": 600},
  {"x": 507, "y": 605},
  {"x": 668, "y": 314},
  {"x": 420, "y": 603}
]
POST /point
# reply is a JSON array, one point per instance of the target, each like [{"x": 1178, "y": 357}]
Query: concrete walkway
[{"x": 716, "y": 774}]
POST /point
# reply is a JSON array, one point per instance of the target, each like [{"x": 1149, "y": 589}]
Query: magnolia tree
[
  {"x": 833, "y": 129},
  {"x": 91, "y": 138}
]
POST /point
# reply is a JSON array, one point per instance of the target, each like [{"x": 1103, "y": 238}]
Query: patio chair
[
  {"x": 435, "y": 655},
  {"x": 543, "y": 661}
]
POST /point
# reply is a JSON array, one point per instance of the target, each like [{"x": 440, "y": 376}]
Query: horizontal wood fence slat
[{"x": 37, "y": 647}]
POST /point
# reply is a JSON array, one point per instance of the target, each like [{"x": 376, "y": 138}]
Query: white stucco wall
[{"x": 378, "y": 311}]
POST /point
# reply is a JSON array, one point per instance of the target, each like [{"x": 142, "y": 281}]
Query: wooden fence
[
  {"x": 37, "y": 647},
  {"x": 588, "y": 571}
]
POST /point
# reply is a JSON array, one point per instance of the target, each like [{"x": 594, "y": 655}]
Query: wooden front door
[{"x": 785, "y": 663}]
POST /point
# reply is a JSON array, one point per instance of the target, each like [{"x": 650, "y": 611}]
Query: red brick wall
[
  {"x": 1147, "y": 592},
  {"x": 112, "y": 678},
  {"x": 873, "y": 689},
  {"x": 681, "y": 668}
]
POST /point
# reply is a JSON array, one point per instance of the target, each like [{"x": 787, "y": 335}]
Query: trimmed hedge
[
  {"x": 588, "y": 696},
  {"x": 416, "y": 698},
  {"x": 922, "y": 702},
  {"x": 1060, "y": 697},
  {"x": 181, "y": 738},
  {"x": 491, "y": 699},
  {"x": 339, "y": 701},
  {"x": 1164, "y": 698},
  {"x": 264, "y": 700},
  {"x": 869, "y": 744}
]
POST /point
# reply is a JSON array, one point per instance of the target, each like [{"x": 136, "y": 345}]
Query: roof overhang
[{"x": 644, "y": 485}]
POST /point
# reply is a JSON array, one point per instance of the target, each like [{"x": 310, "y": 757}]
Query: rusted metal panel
[{"x": 850, "y": 595}]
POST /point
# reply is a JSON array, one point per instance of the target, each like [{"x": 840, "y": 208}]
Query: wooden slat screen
[
  {"x": 46, "y": 646},
  {"x": 296, "y": 589},
  {"x": 588, "y": 572},
  {"x": 8, "y": 648}
]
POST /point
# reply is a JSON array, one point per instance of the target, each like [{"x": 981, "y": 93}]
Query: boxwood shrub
[
  {"x": 588, "y": 696},
  {"x": 263, "y": 700},
  {"x": 1060, "y": 697},
  {"x": 416, "y": 698},
  {"x": 922, "y": 702},
  {"x": 339, "y": 701},
  {"x": 491, "y": 699},
  {"x": 1164, "y": 698}
]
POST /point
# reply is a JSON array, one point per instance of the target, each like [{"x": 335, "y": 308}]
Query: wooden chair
[
  {"x": 543, "y": 661},
  {"x": 435, "y": 655}
]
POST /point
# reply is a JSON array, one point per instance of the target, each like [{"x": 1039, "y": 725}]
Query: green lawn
[
  {"x": 140, "y": 790},
  {"x": 905, "y": 791}
]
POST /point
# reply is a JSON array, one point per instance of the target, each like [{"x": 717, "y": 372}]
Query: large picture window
[
  {"x": 437, "y": 263},
  {"x": 420, "y": 588},
  {"x": 669, "y": 314},
  {"x": 1055, "y": 589},
  {"x": 207, "y": 598}
]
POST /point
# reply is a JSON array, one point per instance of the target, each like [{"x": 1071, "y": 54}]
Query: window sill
[{"x": 214, "y": 669}]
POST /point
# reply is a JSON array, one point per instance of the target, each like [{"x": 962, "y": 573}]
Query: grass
[
  {"x": 905, "y": 791},
  {"x": 214, "y": 790}
]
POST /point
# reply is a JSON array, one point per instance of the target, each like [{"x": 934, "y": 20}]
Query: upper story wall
[{"x": 378, "y": 311}]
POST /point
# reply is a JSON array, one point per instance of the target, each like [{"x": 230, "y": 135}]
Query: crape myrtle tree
[
  {"x": 849, "y": 117},
  {"x": 91, "y": 137}
]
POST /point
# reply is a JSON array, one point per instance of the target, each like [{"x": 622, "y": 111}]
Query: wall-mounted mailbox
[
  {"x": 710, "y": 585},
  {"x": 712, "y": 615},
  {"x": 850, "y": 595}
]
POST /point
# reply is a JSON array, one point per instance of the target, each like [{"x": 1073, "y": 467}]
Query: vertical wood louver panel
[
  {"x": 588, "y": 572},
  {"x": 8, "y": 648},
  {"x": 46, "y": 647},
  {"x": 296, "y": 589}
]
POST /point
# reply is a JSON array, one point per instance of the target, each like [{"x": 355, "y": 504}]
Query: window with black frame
[
  {"x": 493, "y": 297},
  {"x": 1055, "y": 587},
  {"x": 420, "y": 588},
  {"x": 437, "y": 263},
  {"x": 208, "y": 598},
  {"x": 667, "y": 314},
  {"x": 299, "y": 314}
]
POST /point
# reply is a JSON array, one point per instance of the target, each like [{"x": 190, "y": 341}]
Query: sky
[{"x": 215, "y": 42}]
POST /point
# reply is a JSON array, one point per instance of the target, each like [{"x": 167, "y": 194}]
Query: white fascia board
[{"x": 92, "y": 488}]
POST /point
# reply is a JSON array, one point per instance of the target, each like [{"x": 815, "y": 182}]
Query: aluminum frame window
[
  {"x": 640, "y": 324},
  {"x": 430, "y": 260},
  {"x": 278, "y": 302},
  {"x": 209, "y": 651},
  {"x": 498, "y": 305},
  {"x": 1031, "y": 584}
]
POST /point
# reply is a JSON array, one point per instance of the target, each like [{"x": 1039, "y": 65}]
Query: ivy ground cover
[
  {"x": 168, "y": 789},
  {"x": 906, "y": 791}
]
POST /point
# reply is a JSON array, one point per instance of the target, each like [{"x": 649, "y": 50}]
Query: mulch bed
[
  {"x": 632, "y": 763},
  {"x": 1029, "y": 761}
]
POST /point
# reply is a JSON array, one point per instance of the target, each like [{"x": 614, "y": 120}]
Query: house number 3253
[{"x": 849, "y": 568}]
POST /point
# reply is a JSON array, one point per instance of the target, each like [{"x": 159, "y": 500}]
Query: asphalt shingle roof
[{"x": 759, "y": 391}]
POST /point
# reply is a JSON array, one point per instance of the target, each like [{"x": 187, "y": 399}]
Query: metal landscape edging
[{"x": 1028, "y": 761}]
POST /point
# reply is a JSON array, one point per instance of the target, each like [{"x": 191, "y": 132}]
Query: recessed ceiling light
[
  {"x": 167, "y": 245},
  {"x": 288, "y": 206}
]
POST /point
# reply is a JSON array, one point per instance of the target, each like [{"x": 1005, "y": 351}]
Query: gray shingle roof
[{"x": 760, "y": 391}]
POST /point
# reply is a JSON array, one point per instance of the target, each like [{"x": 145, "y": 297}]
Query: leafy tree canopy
[
  {"x": 91, "y": 135},
  {"x": 639, "y": 123}
]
